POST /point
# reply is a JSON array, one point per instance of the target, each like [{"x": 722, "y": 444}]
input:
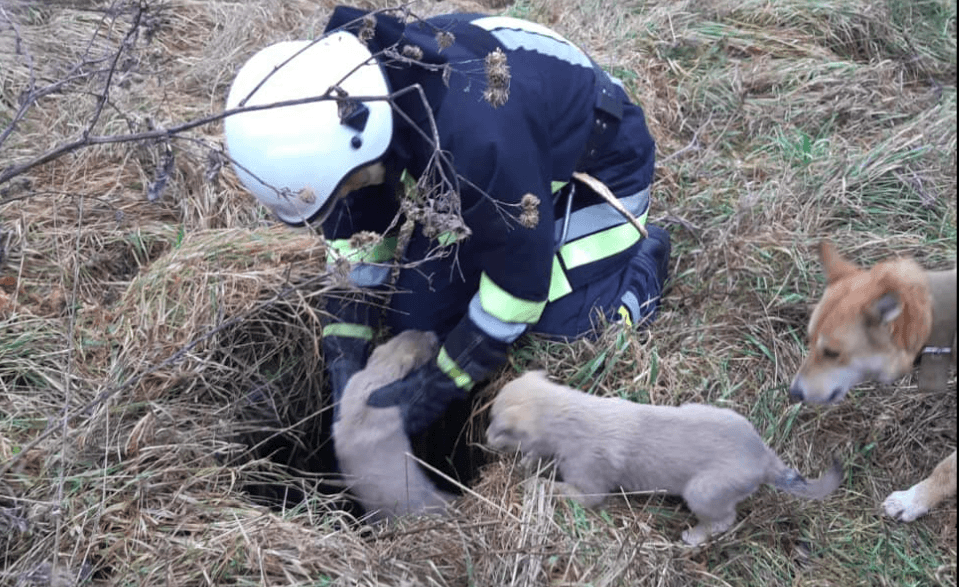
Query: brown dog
[
  {"x": 871, "y": 325},
  {"x": 371, "y": 446},
  {"x": 711, "y": 456}
]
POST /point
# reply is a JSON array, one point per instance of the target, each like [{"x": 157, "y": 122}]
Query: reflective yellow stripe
[
  {"x": 348, "y": 330},
  {"x": 376, "y": 253},
  {"x": 408, "y": 181},
  {"x": 446, "y": 239},
  {"x": 504, "y": 306},
  {"x": 601, "y": 245},
  {"x": 558, "y": 284},
  {"x": 448, "y": 365}
]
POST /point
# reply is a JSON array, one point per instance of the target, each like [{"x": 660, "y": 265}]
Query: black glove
[
  {"x": 423, "y": 396},
  {"x": 426, "y": 393}
]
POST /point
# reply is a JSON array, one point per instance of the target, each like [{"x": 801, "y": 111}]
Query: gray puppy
[
  {"x": 711, "y": 456},
  {"x": 371, "y": 447}
]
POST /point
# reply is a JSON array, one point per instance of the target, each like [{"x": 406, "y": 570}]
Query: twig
[
  {"x": 693, "y": 144},
  {"x": 31, "y": 81},
  {"x": 601, "y": 189},
  {"x": 159, "y": 133},
  {"x": 79, "y": 71},
  {"x": 111, "y": 71}
]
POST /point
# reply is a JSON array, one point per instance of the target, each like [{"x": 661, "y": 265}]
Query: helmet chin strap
[
  {"x": 372, "y": 174},
  {"x": 375, "y": 173}
]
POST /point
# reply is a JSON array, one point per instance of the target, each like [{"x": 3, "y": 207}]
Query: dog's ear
[
  {"x": 834, "y": 265},
  {"x": 885, "y": 309}
]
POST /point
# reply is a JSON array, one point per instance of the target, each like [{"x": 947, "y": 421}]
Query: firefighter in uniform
[{"x": 337, "y": 163}]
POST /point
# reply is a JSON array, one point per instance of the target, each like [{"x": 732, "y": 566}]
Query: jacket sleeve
[
  {"x": 354, "y": 314},
  {"x": 508, "y": 206}
]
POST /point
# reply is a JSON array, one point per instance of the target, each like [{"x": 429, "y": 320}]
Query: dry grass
[{"x": 133, "y": 329}]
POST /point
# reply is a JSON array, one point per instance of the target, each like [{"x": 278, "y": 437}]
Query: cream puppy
[
  {"x": 711, "y": 456},
  {"x": 371, "y": 447}
]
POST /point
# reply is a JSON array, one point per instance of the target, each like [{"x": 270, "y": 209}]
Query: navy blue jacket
[{"x": 528, "y": 145}]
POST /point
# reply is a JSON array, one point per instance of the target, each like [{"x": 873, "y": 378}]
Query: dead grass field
[{"x": 135, "y": 318}]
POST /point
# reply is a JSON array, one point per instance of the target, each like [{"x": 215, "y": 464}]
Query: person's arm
[
  {"x": 346, "y": 336},
  {"x": 510, "y": 213}
]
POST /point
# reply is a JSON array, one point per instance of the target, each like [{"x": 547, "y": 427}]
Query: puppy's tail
[{"x": 790, "y": 481}]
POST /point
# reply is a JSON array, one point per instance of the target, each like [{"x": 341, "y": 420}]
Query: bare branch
[
  {"x": 693, "y": 143},
  {"x": 124, "y": 45},
  {"x": 25, "y": 102},
  {"x": 440, "y": 179}
]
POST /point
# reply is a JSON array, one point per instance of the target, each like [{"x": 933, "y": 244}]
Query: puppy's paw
[
  {"x": 695, "y": 535},
  {"x": 906, "y": 505},
  {"x": 588, "y": 499},
  {"x": 704, "y": 529}
]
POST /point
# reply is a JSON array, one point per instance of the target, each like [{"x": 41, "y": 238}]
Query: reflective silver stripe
[
  {"x": 632, "y": 304},
  {"x": 366, "y": 275},
  {"x": 598, "y": 217},
  {"x": 635, "y": 306},
  {"x": 520, "y": 34},
  {"x": 493, "y": 326}
]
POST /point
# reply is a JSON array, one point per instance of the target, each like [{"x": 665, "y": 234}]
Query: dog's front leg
[
  {"x": 581, "y": 482},
  {"x": 920, "y": 498},
  {"x": 588, "y": 499}
]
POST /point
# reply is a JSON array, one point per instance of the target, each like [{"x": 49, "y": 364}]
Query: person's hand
[{"x": 423, "y": 397}]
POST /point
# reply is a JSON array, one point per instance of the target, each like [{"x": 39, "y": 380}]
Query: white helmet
[{"x": 293, "y": 158}]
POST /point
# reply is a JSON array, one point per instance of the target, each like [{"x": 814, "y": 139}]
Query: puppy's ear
[
  {"x": 885, "y": 309},
  {"x": 834, "y": 265}
]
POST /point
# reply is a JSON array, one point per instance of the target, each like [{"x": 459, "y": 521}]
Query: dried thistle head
[
  {"x": 529, "y": 217},
  {"x": 364, "y": 238},
  {"x": 445, "y": 39},
  {"x": 214, "y": 165},
  {"x": 341, "y": 271},
  {"x": 345, "y": 107},
  {"x": 497, "y": 79},
  {"x": 307, "y": 195},
  {"x": 367, "y": 28},
  {"x": 413, "y": 52}
]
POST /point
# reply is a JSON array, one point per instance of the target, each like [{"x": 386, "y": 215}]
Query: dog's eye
[{"x": 830, "y": 353}]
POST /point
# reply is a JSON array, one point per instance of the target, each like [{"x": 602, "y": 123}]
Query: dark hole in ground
[
  {"x": 282, "y": 415},
  {"x": 305, "y": 451}
]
